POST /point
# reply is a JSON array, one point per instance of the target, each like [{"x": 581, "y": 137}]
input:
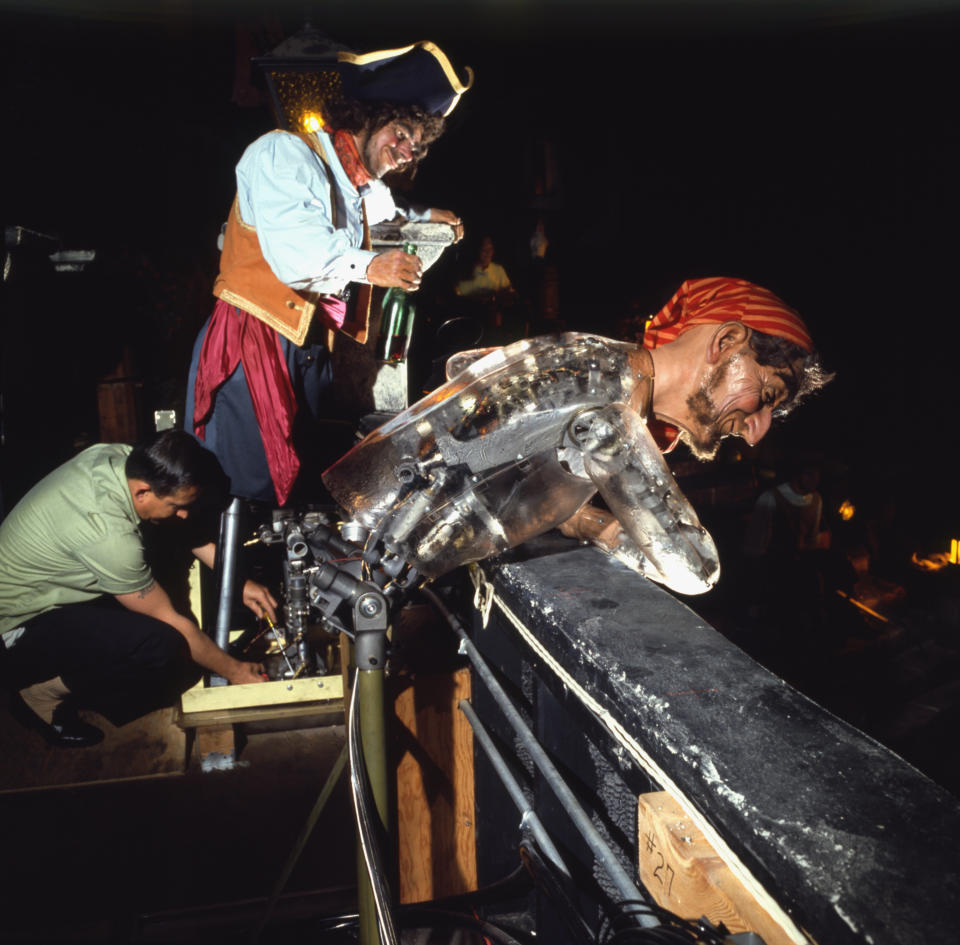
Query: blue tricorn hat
[{"x": 419, "y": 74}]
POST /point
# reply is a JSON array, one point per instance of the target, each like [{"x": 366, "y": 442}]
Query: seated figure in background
[
  {"x": 487, "y": 276},
  {"x": 489, "y": 297}
]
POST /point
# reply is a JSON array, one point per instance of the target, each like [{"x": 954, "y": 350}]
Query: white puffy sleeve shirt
[{"x": 284, "y": 192}]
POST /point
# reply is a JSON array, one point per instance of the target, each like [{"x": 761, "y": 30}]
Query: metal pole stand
[
  {"x": 370, "y": 619},
  {"x": 369, "y": 781}
]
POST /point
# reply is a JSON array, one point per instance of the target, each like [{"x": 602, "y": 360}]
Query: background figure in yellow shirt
[{"x": 490, "y": 296}]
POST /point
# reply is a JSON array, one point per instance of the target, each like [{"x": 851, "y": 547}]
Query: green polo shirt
[{"x": 73, "y": 537}]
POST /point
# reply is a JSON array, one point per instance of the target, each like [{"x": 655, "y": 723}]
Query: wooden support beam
[
  {"x": 684, "y": 873},
  {"x": 283, "y": 698},
  {"x": 436, "y": 834}
]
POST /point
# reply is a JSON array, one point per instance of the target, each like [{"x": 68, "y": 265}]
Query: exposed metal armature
[
  {"x": 321, "y": 572},
  {"x": 516, "y": 441}
]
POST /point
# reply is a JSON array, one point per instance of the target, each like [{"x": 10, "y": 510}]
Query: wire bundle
[{"x": 673, "y": 930}]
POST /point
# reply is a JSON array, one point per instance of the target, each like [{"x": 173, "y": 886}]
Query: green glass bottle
[{"x": 397, "y": 312}]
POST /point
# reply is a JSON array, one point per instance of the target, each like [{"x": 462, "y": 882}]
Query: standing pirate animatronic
[{"x": 296, "y": 241}]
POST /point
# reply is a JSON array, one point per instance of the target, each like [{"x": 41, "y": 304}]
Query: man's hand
[
  {"x": 259, "y": 600},
  {"x": 448, "y": 216},
  {"x": 257, "y": 597},
  {"x": 395, "y": 268},
  {"x": 246, "y": 673},
  {"x": 154, "y": 602}
]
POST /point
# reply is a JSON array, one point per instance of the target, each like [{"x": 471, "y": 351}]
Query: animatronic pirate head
[{"x": 757, "y": 363}]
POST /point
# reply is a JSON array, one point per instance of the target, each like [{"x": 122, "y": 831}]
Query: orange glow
[
  {"x": 863, "y": 607},
  {"x": 311, "y": 121},
  {"x": 932, "y": 562},
  {"x": 846, "y": 510}
]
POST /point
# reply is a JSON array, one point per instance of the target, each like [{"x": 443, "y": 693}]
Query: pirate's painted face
[
  {"x": 737, "y": 398},
  {"x": 391, "y": 147}
]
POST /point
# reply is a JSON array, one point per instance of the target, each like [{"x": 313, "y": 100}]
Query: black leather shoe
[{"x": 67, "y": 730}]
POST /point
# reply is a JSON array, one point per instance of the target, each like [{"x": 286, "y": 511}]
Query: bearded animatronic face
[{"x": 736, "y": 397}]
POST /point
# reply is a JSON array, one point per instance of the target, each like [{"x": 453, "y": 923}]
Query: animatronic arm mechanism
[{"x": 516, "y": 442}]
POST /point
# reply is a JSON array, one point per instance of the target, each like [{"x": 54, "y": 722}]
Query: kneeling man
[{"x": 83, "y": 622}]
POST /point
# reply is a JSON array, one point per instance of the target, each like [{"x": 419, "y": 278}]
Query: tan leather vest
[{"x": 247, "y": 281}]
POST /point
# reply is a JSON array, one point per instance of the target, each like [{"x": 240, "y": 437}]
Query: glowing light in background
[
  {"x": 846, "y": 510},
  {"x": 311, "y": 121}
]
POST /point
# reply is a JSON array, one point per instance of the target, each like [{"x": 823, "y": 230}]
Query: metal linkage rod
[
  {"x": 618, "y": 875},
  {"x": 529, "y": 816}
]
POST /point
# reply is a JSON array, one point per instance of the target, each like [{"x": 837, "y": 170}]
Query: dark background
[{"x": 809, "y": 147}]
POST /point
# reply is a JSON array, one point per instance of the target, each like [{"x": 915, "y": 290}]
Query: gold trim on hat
[{"x": 362, "y": 59}]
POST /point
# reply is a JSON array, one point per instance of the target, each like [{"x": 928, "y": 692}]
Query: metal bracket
[
  {"x": 370, "y": 623},
  {"x": 483, "y": 593}
]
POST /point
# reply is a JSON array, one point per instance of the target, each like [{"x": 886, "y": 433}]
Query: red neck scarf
[{"x": 346, "y": 149}]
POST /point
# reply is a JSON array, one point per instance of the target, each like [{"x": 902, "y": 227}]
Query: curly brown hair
[{"x": 356, "y": 117}]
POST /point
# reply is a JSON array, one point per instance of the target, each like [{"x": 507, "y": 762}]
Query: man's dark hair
[
  {"x": 354, "y": 116},
  {"x": 173, "y": 460},
  {"x": 784, "y": 355}
]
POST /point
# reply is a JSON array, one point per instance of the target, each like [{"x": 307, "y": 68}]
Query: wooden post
[
  {"x": 436, "y": 835},
  {"x": 217, "y": 747}
]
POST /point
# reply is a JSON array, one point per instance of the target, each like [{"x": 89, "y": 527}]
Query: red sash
[{"x": 234, "y": 337}]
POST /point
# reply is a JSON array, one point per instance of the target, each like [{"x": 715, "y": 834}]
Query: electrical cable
[
  {"x": 458, "y": 920},
  {"x": 420, "y": 915},
  {"x": 673, "y": 930},
  {"x": 558, "y": 889},
  {"x": 512, "y": 886}
]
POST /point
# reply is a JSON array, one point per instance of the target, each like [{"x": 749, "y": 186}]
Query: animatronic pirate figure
[
  {"x": 295, "y": 247},
  {"x": 520, "y": 438}
]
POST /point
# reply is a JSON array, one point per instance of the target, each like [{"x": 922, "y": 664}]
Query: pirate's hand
[
  {"x": 449, "y": 217},
  {"x": 395, "y": 269},
  {"x": 589, "y": 523}
]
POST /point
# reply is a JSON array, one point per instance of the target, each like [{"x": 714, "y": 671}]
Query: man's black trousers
[{"x": 114, "y": 661}]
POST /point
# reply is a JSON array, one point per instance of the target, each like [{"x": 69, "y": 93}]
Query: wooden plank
[
  {"x": 684, "y": 873},
  {"x": 436, "y": 837},
  {"x": 317, "y": 689},
  {"x": 319, "y": 713}
]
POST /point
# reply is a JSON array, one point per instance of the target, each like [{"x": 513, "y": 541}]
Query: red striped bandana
[{"x": 719, "y": 300}]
